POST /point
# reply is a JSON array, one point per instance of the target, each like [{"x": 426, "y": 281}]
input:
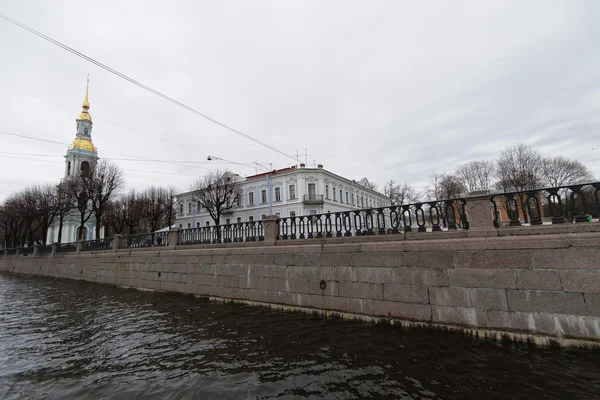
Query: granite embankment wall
[{"x": 542, "y": 287}]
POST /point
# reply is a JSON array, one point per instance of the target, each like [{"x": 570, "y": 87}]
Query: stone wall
[{"x": 543, "y": 287}]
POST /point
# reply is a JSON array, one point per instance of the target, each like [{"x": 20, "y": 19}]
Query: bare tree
[
  {"x": 153, "y": 206},
  {"x": 561, "y": 171},
  {"x": 170, "y": 206},
  {"x": 444, "y": 187},
  {"x": 400, "y": 194},
  {"x": 103, "y": 182},
  {"x": 63, "y": 207},
  {"x": 217, "y": 192},
  {"x": 519, "y": 168},
  {"x": 476, "y": 175},
  {"x": 76, "y": 191},
  {"x": 46, "y": 206}
]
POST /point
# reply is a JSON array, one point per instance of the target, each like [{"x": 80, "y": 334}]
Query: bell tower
[{"x": 82, "y": 154}]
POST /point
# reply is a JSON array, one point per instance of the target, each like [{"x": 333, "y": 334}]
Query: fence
[
  {"x": 573, "y": 203},
  {"x": 97, "y": 244},
  {"x": 251, "y": 231},
  {"x": 142, "y": 240},
  {"x": 417, "y": 217}
]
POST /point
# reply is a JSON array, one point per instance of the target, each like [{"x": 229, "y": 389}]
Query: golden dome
[
  {"x": 83, "y": 144},
  {"x": 85, "y": 115}
]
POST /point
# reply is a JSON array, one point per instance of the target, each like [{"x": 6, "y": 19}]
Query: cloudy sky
[{"x": 382, "y": 89}]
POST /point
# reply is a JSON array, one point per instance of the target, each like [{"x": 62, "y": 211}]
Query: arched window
[
  {"x": 85, "y": 168},
  {"x": 82, "y": 233}
]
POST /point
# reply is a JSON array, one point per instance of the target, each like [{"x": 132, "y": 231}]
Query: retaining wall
[{"x": 543, "y": 288}]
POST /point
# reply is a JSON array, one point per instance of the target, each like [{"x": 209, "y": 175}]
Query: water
[{"x": 74, "y": 340}]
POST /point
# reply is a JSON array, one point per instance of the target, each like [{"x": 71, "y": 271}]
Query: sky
[{"x": 379, "y": 89}]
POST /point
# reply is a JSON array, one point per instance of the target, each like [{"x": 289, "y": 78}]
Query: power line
[
  {"x": 149, "y": 89},
  {"x": 66, "y": 144},
  {"x": 95, "y": 117}
]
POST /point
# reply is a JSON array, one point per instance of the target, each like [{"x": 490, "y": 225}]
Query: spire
[
  {"x": 86, "y": 103},
  {"x": 84, "y": 115}
]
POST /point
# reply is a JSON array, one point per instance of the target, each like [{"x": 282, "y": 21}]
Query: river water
[{"x": 77, "y": 340}]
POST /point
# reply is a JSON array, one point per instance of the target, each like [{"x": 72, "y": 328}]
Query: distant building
[
  {"x": 81, "y": 157},
  {"x": 288, "y": 192}
]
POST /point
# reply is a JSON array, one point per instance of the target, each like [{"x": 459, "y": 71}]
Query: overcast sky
[{"x": 382, "y": 89}]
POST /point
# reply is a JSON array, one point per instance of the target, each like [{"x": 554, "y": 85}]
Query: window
[
  {"x": 189, "y": 225},
  {"x": 277, "y": 194},
  {"x": 197, "y": 224},
  {"x": 251, "y": 198},
  {"x": 227, "y": 221},
  {"x": 198, "y": 206},
  {"x": 69, "y": 168},
  {"x": 292, "y": 192},
  {"x": 85, "y": 168},
  {"x": 180, "y": 211},
  {"x": 263, "y": 216},
  {"x": 334, "y": 199},
  {"x": 251, "y": 219},
  {"x": 180, "y": 226},
  {"x": 263, "y": 196},
  {"x": 362, "y": 202},
  {"x": 327, "y": 192},
  {"x": 207, "y": 223},
  {"x": 341, "y": 200},
  {"x": 347, "y": 199},
  {"x": 239, "y": 220},
  {"x": 312, "y": 191},
  {"x": 292, "y": 214},
  {"x": 189, "y": 208}
]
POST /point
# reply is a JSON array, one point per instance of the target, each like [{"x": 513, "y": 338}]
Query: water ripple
[{"x": 74, "y": 340}]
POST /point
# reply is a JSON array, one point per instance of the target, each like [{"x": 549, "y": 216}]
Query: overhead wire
[{"x": 141, "y": 85}]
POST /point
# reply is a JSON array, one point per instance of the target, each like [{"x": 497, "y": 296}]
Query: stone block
[
  {"x": 539, "y": 279},
  {"x": 360, "y": 306},
  {"x": 399, "y": 310},
  {"x": 309, "y": 272},
  {"x": 208, "y": 280},
  {"x": 348, "y": 274},
  {"x": 581, "y": 280},
  {"x": 539, "y": 323},
  {"x": 484, "y": 299},
  {"x": 405, "y": 293},
  {"x": 227, "y": 281},
  {"x": 294, "y": 285},
  {"x": 492, "y": 259},
  {"x": 482, "y": 278},
  {"x": 361, "y": 290},
  {"x": 376, "y": 274},
  {"x": 429, "y": 259},
  {"x": 332, "y": 288},
  {"x": 335, "y": 259},
  {"x": 463, "y": 316},
  {"x": 546, "y": 302},
  {"x": 376, "y": 259},
  {"x": 592, "y": 304}
]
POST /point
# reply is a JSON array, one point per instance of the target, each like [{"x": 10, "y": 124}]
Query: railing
[
  {"x": 316, "y": 198},
  {"x": 141, "y": 240},
  {"x": 418, "y": 217},
  {"x": 47, "y": 249},
  {"x": 10, "y": 252},
  {"x": 556, "y": 205},
  {"x": 67, "y": 247},
  {"x": 26, "y": 251},
  {"x": 97, "y": 244},
  {"x": 251, "y": 231}
]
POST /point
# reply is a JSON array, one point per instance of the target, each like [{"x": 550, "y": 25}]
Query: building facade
[
  {"x": 287, "y": 192},
  {"x": 81, "y": 158}
]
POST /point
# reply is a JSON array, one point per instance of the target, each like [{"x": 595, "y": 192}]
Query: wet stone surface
[{"x": 75, "y": 340}]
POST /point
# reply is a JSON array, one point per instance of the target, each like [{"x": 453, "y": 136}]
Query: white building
[{"x": 287, "y": 192}]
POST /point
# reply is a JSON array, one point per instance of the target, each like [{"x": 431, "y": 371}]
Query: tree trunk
[{"x": 60, "y": 227}]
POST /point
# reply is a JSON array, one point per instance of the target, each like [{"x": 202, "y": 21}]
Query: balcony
[{"x": 313, "y": 198}]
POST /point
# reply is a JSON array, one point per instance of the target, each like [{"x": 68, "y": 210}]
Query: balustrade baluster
[{"x": 420, "y": 217}]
